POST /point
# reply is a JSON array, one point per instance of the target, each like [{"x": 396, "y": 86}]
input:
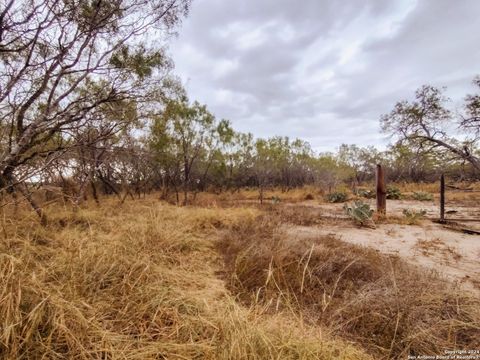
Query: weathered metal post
[
  {"x": 442, "y": 198},
  {"x": 381, "y": 192}
]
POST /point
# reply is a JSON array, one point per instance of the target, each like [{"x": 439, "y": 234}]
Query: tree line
[{"x": 89, "y": 105}]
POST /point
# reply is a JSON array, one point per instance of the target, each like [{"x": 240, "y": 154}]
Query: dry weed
[
  {"x": 437, "y": 247},
  {"x": 390, "y": 307},
  {"x": 135, "y": 282}
]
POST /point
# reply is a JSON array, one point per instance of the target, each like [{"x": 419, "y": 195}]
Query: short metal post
[
  {"x": 442, "y": 198},
  {"x": 381, "y": 192}
]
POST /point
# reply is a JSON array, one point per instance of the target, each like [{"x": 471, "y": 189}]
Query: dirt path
[
  {"x": 396, "y": 207},
  {"x": 453, "y": 254}
]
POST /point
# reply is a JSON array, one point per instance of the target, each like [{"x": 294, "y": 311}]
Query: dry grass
[
  {"x": 143, "y": 281},
  {"x": 250, "y": 196},
  {"x": 247, "y": 196},
  {"x": 453, "y": 196},
  {"x": 136, "y": 281},
  {"x": 392, "y": 308},
  {"x": 432, "y": 188},
  {"x": 303, "y": 215},
  {"x": 437, "y": 247}
]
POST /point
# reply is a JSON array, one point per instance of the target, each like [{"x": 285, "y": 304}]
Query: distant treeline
[{"x": 185, "y": 150}]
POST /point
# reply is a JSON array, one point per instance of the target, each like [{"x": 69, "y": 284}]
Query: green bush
[
  {"x": 393, "y": 193},
  {"x": 366, "y": 193},
  {"x": 413, "y": 217},
  {"x": 359, "y": 212},
  {"x": 337, "y": 197},
  {"x": 275, "y": 200},
  {"x": 422, "y": 196}
]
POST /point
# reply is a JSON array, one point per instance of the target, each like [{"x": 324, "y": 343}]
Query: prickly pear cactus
[{"x": 360, "y": 213}]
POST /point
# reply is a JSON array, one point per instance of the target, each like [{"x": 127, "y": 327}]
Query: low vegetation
[
  {"x": 360, "y": 213},
  {"x": 413, "y": 217},
  {"x": 436, "y": 246},
  {"x": 137, "y": 281},
  {"x": 366, "y": 193},
  {"x": 144, "y": 279},
  {"x": 337, "y": 197},
  {"x": 422, "y": 196},
  {"x": 389, "y": 307},
  {"x": 393, "y": 193}
]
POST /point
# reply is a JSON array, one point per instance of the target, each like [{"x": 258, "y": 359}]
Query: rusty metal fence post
[
  {"x": 381, "y": 191},
  {"x": 442, "y": 198}
]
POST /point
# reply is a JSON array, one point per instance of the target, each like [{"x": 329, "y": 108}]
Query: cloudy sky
[{"x": 320, "y": 70}]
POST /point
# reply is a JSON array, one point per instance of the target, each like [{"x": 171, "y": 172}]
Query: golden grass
[
  {"x": 390, "y": 307},
  {"x": 416, "y": 187},
  {"x": 316, "y": 194},
  {"x": 252, "y": 196},
  {"x": 137, "y": 281},
  {"x": 437, "y": 246},
  {"x": 453, "y": 196}
]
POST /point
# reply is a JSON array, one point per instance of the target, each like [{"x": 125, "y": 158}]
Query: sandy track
[
  {"x": 453, "y": 254},
  {"x": 396, "y": 207}
]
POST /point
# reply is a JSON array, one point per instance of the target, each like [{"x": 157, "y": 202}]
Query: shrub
[
  {"x": 413, "y": 217},
  {"x": 422, "y": 196},
  {"x": 337, "y": 197},
  {"x": 393, "y": 193},
  {"x": 360, "y": 213},
  {"x": 366, "y": 193},
  {"x": 275, "y": 200}
]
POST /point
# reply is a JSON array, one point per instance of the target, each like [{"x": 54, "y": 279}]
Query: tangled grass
[
  {"x": 391, "y": 308},
  {"x": 137, "y": 281}
]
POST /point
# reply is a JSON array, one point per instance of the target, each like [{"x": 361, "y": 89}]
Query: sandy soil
[
  {"x": 453, "y": 254},
  {"x": 396, "y": 207}
]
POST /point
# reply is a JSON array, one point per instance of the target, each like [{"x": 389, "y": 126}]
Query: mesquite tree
[
  {"x": 184, "y": 136},
  {"x": 426, "y": 123},
  {"x": 61, "y": 61}
]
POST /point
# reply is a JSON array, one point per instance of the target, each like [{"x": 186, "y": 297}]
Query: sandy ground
[
  {"x": 453, "y": 254},
  {"x": 396, "y": 207}
]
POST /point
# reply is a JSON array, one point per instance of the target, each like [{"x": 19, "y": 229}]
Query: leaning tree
[{"x": 427, "y": 124}]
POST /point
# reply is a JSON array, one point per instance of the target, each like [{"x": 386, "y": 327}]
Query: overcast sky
[{"x": 324, "y": 71}]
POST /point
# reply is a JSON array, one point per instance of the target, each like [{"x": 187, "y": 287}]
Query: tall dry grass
[
  {"x": 316, "y": 194},
  {"x": 137, "y": 281},
  {"x": 252, "y": 196},
  {"x": 388, "y": 306}
]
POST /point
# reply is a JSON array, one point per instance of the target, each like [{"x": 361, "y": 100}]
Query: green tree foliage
[
  {"x": 67, "y": 67},
  {"x": 186, "y": 139},
  {"x": 426, "y": 124}
]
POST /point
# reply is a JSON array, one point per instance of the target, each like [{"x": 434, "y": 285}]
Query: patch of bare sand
[
  {"x": 453, "y": 254},
  {"x": 396, "y": 207}
]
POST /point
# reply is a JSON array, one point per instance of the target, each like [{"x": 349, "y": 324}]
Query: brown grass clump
[
  {"x": 411, "y": 187},
  {"x": 252, "y": 196},
  {"x": 309, "y": 196},
  {"x": 135, "y": 282},
  {"x": 437, "y": 246},
  {"x": 297, "y": 215},
  {"x": 390, "y": 307}
]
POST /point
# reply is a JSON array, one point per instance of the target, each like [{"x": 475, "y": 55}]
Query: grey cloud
[{"x": 323, "y": 70}]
